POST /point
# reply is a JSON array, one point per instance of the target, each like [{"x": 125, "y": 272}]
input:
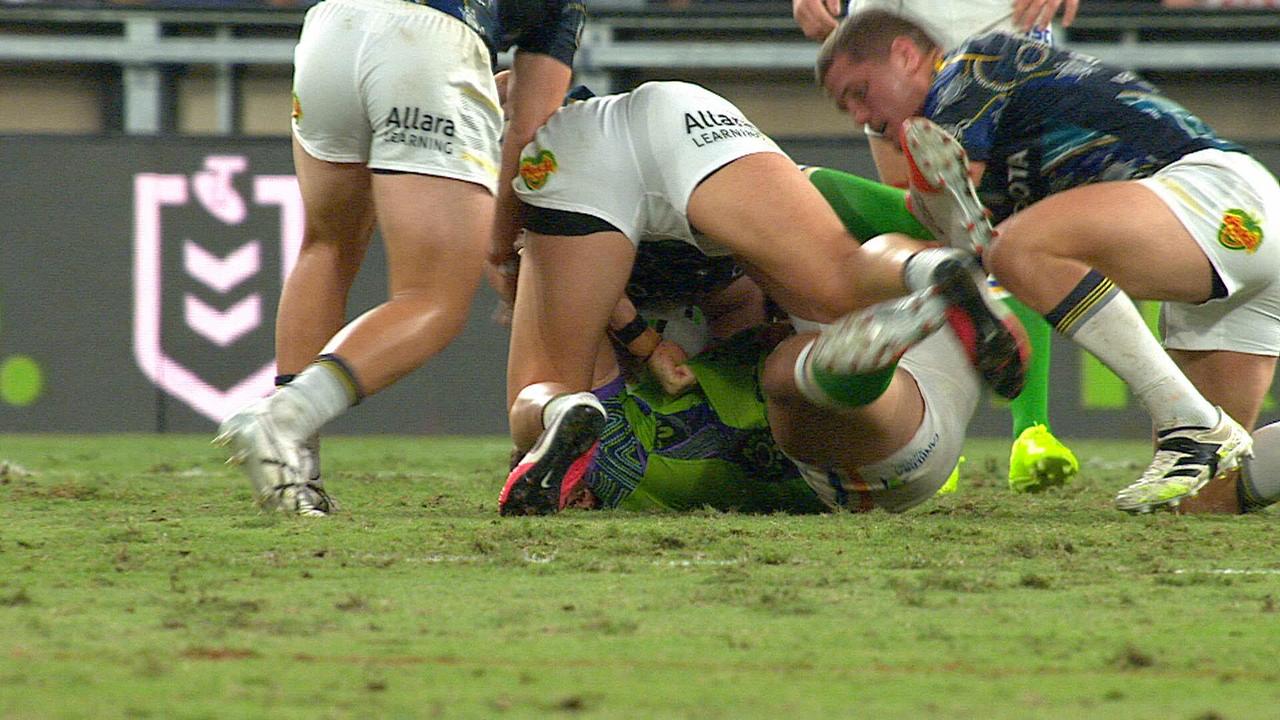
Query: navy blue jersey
[
  {"x": 1045, "y": 119},
  {"x": 547, "y": 27}
]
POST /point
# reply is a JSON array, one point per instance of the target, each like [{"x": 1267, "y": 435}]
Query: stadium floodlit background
[
  {"x": 131, "y": 301},
  {"x": 148, "y": 212}
]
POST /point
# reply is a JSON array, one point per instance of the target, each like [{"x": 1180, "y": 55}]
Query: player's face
[{"x": 879, "y": 93}]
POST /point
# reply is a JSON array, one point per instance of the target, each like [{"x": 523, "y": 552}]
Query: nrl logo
[
  {"x": 534, "y": 171},
  {"x": 198, "y": 279},
  {"x": 1240, "y": 231}
]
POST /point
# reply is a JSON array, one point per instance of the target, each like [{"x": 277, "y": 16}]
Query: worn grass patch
[{"x": 136, "y": 581}]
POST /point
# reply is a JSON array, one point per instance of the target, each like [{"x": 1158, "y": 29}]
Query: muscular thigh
[
  {"x": 337, "y": 200},
  {"x": 436, "y": 231},
  {"x": 1237, "y": 382},
  {"x": 1121, "y": 229},
  {"x": 568, "y": 286}
]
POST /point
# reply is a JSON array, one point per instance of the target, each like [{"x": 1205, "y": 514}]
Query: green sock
[
  {"x": 1031, "y": 407},
  {"x": 867, "y": 208},
  {"x": 841, "y": 389},
  {"x": 854, "y": 390}
]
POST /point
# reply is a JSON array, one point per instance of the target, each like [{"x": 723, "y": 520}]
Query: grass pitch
[{"x": 137, "y": 581}]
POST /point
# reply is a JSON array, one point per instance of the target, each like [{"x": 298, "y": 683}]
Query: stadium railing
[{"x": 745, "y": 36}]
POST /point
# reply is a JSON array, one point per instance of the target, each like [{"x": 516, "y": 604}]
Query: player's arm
[
  {"x": 545, "y": 35},
  {"x": 891, "y": 163},
  {"x": 976, "y": 170},
  {"x": 734, "y": 308},
  {"x": 1029, "y": 14},
  {"x": 663, "y": 359},
  {"x": 629, "y": 328},
  {"x": 535, "y": 90},
  {"x": 817, "y": 18}
]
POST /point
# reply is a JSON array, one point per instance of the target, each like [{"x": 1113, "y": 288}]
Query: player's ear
[{"x": 905, "y": 54}]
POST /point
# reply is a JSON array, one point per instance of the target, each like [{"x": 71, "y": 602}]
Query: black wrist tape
[{"x": 631, "y": 330}]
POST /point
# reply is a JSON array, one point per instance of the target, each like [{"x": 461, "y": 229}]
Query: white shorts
[
  {"x": 951, "y": 390},
  {"x": 1230, "y": 204},
  {"x": 396, "y": 86},
  {"x": 634, "y": 159}
]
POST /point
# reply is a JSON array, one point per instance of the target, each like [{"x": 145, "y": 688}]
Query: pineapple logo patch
[
  {"x": 1240, "y": 231},
  {"x": 535, "y": 171}
]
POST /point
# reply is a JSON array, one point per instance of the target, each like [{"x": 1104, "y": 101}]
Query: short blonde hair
[{"x": 868, "y": 35}]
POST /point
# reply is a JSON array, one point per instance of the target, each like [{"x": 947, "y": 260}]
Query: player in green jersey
[{"x": 712, "y": 445}]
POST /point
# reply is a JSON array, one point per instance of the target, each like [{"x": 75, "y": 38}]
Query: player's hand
[
  {"x": 667, "y": 363},
  {"x": 817, "y": 18},
  {"x": 502, "y": 271},
  {"x": 503, "y": 281},
  {"x": 1039, "y": 13}
]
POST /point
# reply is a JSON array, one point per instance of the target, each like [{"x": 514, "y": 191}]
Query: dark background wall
[{"x": 120, "y": 313}]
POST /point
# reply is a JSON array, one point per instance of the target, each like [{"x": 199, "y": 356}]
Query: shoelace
[{"x": 300, "y": 500}]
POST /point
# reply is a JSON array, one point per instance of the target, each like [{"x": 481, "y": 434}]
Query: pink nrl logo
[{"x": 218, "y": 314}]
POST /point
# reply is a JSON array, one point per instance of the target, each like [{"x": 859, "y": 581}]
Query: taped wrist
[{"x": 638, "y": 338}]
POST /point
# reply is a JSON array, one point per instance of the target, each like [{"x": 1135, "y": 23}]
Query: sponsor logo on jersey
[
  {"x": 418, "y": 128},
  {"x": 705, "y": 127},
  {"x": 412, "y": 118},
  {"x": 297, "y": 109},
  {"x": 535, "y": 171},
  {"x": 900, "y": 470},
  {"x": 1240, "y": 231}
]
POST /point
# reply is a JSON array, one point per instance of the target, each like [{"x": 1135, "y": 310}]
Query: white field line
[
  {"x": 1230, "y": 571},
  {"x": 536, "y": 559}
]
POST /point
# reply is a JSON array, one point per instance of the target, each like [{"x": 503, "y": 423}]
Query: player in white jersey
[
  {"x": 396, "y": 123},
  {"x": 949, "y": 20},
  {"x": 1037, "y": 459},
  {"x": 1123, "y": 188},
  {"x": 673, "y": 161}
]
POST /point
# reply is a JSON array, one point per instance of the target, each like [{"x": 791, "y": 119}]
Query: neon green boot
[
  {"x": 1038, "y": 461},
  {"x": 953, "y": 479}
]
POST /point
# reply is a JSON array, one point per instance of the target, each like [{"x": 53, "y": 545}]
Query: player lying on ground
[
  {"x": 608, "y": 173},
  {"x": 1098, "y": 183},
  {"x": 743, "y": 437},
  {"x": 682, "y": 434},
  {"x": 1036, "y": 458},
  {"x": 578, "y": 257}
]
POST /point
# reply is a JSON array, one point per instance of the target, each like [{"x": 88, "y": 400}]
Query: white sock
[
  {"x": 809, "y": 388},
  {"x": 317, "y": 395},
  {"x": 1261, "y": 473},
  {"x": 559, "y": 404},
  {"x": 917, "y": 274},
  {"x": 1118, "y": 336}
]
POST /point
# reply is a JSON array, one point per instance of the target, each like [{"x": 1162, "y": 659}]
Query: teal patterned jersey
[
  {"x": 1045, "y": 120},
  {"x": 708, "y": 448}
]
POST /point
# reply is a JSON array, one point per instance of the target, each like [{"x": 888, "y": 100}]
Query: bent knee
[
  {"x": 999, "y": 257},
  {"x": 777, "y": 378}
]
